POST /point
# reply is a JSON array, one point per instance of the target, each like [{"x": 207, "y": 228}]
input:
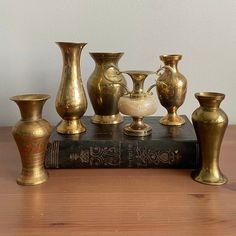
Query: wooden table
[{"x": 116, "y": 201}]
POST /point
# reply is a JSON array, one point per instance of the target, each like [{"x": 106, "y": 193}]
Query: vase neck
[
  {"x": 138, "y": 78},
  {"x": 210, "y": 100},
  {"x": 102, "y": 58},
  {"x": 71, "y": 53},
  {"x": 31, "y": 106},
  {"x": 171, "y": 60}
]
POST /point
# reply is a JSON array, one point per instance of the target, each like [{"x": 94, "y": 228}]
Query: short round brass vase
[
  {"x": 31, "y": 134},
  {"x": 71, "y": 102},
  {"x": 171, "y": 90},
  {"x": 104, "y": 98},
  {"x": 138, "y": 104},
  {"x": 210, "y": 123}
]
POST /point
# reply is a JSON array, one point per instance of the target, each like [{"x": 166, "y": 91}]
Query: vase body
[
  {"x": 104, "y": 98},
  {"x": 171, "y": 90},
  {"x": 71, "y": 102},
  {"x": 210, "y": 123},
  {"x": 138, "y": 104},
  {"x": 31, "y": 134}
]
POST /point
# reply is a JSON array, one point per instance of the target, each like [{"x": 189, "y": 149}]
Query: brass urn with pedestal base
[
  {"x": 137, "y": 104},
  {"x": 171, "y": 90}
]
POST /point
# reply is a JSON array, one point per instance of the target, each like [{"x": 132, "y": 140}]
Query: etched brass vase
[
  {"x": 171, "y": 90},
  {"x": 210, "y": 123},
  {"x": 138, "y": 104},
  {"x": 31, "y": 134},
  {"x": 104, "y": 98},
  {"x": 71, "y": 102}
]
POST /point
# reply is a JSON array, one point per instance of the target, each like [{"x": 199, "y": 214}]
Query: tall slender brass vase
[
  {"x": 104, "y": 98},
  {"x": 210, "y": 123},
  {"x": 31, "y": 134},
  {"x": 71, "y": 102},
  {"x": 171, "y": 90}
]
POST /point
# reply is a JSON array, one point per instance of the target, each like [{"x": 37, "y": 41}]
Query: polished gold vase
[
  {"x": 104, "y": 98},
  {"x": 71, "y": 102},
  {"x": 171, "y": 90},
  {"x": 31, "y": 134},
  {"x": 210, "y": 123}
]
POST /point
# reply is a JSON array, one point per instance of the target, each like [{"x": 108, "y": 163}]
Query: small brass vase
[
  {"x": 210, "y": 123},
  {"x": 171, "y": 90},
  {"x": 71, "y": 102},
  {"x": 104, "y": 98},
  {"x": 138, "y": 104},
  {"x": 31, "y": 134}
]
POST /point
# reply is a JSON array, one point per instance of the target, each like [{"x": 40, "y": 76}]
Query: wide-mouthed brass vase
[
  {"x": 171, "y": 90},
  {"x": 71, "y": 102},
  {"x": 138, "y": 104},
  {"x": 210, "y": 123},
  {"x": 104, "y": 98},
  {"x": 31, "y": 134}
]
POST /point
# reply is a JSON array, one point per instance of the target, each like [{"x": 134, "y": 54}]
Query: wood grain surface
[{"x": 116, "y": 201}]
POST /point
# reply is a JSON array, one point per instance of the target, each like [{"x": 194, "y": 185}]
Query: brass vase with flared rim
[
  {"x": 104, "y": 98},
  {"x": 210, "y": 123},
  {"x": 71, "y": 102},
  {"x": 171, "y": 90},
  {"x": 31, "y": 134},
  {"x": 138, "y": 104}
]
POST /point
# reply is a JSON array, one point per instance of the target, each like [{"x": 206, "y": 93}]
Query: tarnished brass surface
[
  {"x": 137, "y": 104},
  {"x": 104, "y": 98},
  {"x": 31, "y": 134},
  {"x": 171, "y": 90},
  {"x": 71, "y": 102},
  {"x": 210, "y": 123}
]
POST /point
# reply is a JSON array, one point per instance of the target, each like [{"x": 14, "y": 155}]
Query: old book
[{"x": 105, "y": 146}]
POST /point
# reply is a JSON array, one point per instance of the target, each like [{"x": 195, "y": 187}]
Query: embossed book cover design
[{"x": 105, "y": 146}]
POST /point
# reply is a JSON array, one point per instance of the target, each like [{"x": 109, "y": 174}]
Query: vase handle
[
  {"x": 117, "y": 72},
  {"x": 158, "y": 73}
]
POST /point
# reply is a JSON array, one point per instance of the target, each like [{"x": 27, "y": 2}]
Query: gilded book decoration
[{"x": 105, "y": 146}]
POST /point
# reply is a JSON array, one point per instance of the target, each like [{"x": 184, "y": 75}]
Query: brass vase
[
  {"x": 171, "y": 90},
  {"x": 104, "y": 98},
  {"x": 71, "y": 102},
  {"x": 210, "y": 123},
  {"x": 31, "y": 134},
  {"x": 138, "y": 104}
]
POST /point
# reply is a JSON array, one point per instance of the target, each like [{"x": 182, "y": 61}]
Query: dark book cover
[{"x": 105, "y": 146}]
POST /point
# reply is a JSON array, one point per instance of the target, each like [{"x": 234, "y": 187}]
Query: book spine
[{"x": 129, "y": 154}]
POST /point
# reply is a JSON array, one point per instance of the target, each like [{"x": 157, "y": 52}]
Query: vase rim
[
  {"x": 138, "y": 72},
  {"x": 106, "y": 54},
  {"x": 30, "y": 97},
  {"x": 170, "y": 56},
  {"x": 71, "y": 43},
  {"x": 210, "y": 95}
]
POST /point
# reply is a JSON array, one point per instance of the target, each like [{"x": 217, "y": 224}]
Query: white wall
[{"x": 204, "y": 31}]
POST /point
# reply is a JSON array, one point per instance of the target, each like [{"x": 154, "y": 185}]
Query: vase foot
[
  {"x": 205, "y": 177},
  {"x": 32, "y": 178},
  {"x": 128, "y": 130},
  {"x": 112, "y": 119},
  {"x": 172, "y": 119},
  {"x": 71, "y": 127}
]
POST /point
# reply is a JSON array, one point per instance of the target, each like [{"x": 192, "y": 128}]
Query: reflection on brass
[
  {"x": 171, "y": 90},
  {"x": 104, "y": 98},
  {"x": 71, "y": 102},
  {"x": 210, "y": 123},
  {"x": 31, "y": 134},
  {"x": 137, "y": 104}
]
